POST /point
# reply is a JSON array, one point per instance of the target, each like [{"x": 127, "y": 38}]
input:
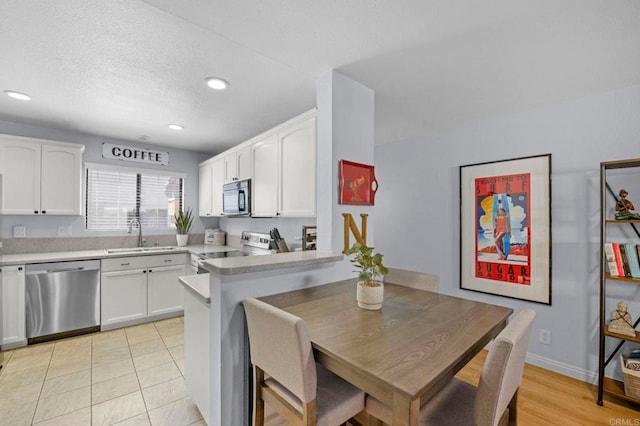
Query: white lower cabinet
[
  {"x": 164, "y": 293},
  {"x": 141, "y": 288},
  {"x": 12, "y": 283},
  {"x": 123, "y": 296}
]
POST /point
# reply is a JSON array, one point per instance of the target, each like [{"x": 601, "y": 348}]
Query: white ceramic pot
[
  {"x": 182, "y": 239},
  {"x": 370, "y": 298}
]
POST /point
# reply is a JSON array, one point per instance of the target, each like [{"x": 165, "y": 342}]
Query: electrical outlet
[
  {"x": 19, "y": 231},
  {"x": 545, "y": 336},
  {"x": 64, "y": 231}
]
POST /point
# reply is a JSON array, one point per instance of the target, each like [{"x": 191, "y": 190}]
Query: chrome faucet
[{"x": 137, "y": 222}]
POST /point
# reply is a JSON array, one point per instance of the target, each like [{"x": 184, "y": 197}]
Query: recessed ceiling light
[
  {"x": 18, "y": 95},
  {"x": 216, "y": 83},
  {"x": 176, "y": 127}
]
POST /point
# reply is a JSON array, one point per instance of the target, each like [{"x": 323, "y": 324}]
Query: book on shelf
[
  {"x": 611, "y": 259},
  {"x": 625, "y": 260},
  {"x": 632, "y": 257},
  {"x": 618, "y": 256}
]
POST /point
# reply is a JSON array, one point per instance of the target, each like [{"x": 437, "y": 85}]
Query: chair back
[
  {"x": 413, "y": 279},
  {"x": 280, "y": 346},
  {"x": 502, "y": 371}
]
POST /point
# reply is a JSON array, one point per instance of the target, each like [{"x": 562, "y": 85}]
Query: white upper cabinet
[
  {"x": 40, "y": 177},
  {"x": 237, "y": 164},
  {"x": 281, "y": 164},
  {"x": 298, "y": 169},
  {"x": 210, "y": 190},
  {"x": 264, "y": 184}
]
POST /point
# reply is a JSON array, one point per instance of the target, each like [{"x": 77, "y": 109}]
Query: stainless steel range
[{"x": 253, "y": 244}]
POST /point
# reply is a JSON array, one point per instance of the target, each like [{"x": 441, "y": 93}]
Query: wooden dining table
[{"x": 402, "y": 354}]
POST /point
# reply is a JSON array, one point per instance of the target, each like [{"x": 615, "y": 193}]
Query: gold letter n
[{"x": 350, "y": 225}]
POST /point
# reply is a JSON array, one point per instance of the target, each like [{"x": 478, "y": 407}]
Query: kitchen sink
[{"x": 139, "y": 249}]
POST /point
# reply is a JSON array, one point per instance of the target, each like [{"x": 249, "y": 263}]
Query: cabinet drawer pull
[
  {"x": 168, "y": 260},
  {"x": 125, "y": 264},
  {"x": 35, "y": 211},
  {"x": 44, "y": 211},
  {"x": 150, "y": 270}
]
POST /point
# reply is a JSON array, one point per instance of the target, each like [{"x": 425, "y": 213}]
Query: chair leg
[
  {"x": 258, "y": 402},
  {"x": 513, "y": 409}
]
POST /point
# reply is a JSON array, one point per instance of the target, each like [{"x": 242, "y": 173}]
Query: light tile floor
[{"x": 128, "y": 376}]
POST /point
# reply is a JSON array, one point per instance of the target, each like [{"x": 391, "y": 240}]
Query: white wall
[
  {"x": 417, "y": 210},
  {"x": 46, "y": 227}
]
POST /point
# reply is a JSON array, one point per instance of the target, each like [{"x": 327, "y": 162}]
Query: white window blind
[{"x": 116, "y": 196}]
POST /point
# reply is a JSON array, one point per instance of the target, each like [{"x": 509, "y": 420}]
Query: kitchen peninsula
[{"x": 216, "y": 345}]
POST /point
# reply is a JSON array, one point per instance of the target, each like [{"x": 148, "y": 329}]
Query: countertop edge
[
  {"x": 241, "y": 265},
  {"x": 65, "y": 256},
  {"x": 198, "y": 285}
]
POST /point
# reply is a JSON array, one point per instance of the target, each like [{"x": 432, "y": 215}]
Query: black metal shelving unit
[{"x": 608, "y": 385}]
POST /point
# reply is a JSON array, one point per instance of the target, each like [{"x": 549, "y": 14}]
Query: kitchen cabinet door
[
  {"x": 61, "y": 180},
  {"x": 40, "y": 177},
  {"x": 243, "y": 161},
  {"x": 237, "y": 164},
  {"x": 211, "y": 179},
  {"x": 165, "y": 293},
  {"x": 298, "y": 169},
  {"x": 230, "y": 167},
  {"x": 12, "y": 281},
  {"x": 264, "y": 189},
  {"x": 20, "y": 169},
  {"x": 205, "y": 190},
  {"x": 123, "y": 296}
]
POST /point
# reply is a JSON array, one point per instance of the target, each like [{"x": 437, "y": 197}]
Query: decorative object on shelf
[
  {"x": 183, "y": 221},
  {"x": 358, "y": 184},
  {"x": 370, "y": 292},
  {"x": 309, "y": 237},
  {"x": 505, "y": 228},
  {"x": 621, "y": 321},
  {"x": 624, "y": 207}
]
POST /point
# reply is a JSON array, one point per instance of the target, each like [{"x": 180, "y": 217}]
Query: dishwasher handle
[
  {"x": 49, "y": 271},
  {"x": 52, "y": 268}
]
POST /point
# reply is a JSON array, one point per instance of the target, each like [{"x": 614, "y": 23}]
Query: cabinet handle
[
  {"x": 144, "y": 272},
  {"x": 35, "y": 211},
  {"x": 19, "y": 268},
  {"x": 168, "y": 260},
  {"x": 44, "y": 211},
  {"x": 125, "y": 264},
  {"x": 150, "y": 270}
]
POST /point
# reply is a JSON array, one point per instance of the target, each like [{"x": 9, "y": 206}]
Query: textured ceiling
[{"x": 128, "y": 68}]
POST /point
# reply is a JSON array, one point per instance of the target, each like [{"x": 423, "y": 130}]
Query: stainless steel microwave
[{"x": 236, "y": 198}]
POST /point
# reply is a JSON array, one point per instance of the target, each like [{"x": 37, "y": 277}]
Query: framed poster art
[
  {"x": 505, "y": 228},
  {"x": 358, "y": 184}
]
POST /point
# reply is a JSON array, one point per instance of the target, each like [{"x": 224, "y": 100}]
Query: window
[{"x": 116, "y": 195}]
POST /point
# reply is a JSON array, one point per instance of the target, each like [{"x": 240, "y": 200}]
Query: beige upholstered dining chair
[
  {"x": 286, "y": 375},
  {"x": 413, "y": 279},
  {"x": 494, "y": 401}
]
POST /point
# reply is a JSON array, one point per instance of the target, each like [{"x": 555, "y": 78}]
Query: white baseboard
[{"x": 562, "y": 368}]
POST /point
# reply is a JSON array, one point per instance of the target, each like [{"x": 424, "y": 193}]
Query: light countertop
[
  {"x": 198, "y": 285},
  {"x": 240, "y": 265},
  {"x": 63, "y": 256}
]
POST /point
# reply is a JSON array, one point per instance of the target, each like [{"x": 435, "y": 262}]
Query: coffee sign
[{"x": 136, "y": 155}]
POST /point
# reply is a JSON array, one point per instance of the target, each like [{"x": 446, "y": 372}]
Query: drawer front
[
  {"x": 123, "y": 263},
  {"x": 167, "y": 259},
  {"x": 141, "y": 262}
]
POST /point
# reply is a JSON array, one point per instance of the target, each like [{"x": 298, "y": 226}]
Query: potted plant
[
  {"x": 183, "y": 221},
  {"x": 370, "y": 293}
]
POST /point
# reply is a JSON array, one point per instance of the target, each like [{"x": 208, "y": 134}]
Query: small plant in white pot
[
  {"x": 370, "y": 293},
  {"x": 183, "y": 221}
]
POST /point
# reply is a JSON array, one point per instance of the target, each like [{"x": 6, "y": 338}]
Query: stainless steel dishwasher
[{"x": 63, "y": 299}]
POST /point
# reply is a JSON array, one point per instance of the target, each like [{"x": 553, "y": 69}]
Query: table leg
[{"x": 406, "y": 412}]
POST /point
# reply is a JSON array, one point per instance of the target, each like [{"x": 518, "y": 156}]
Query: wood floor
[{"x": 547, "y": 398}]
